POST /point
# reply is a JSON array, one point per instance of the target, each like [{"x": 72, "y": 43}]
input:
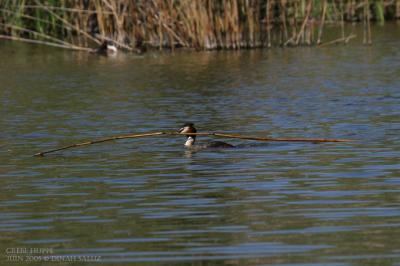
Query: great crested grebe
[
  {"x": 189, "y": 128},
  {"x": 106, "y": 48}
]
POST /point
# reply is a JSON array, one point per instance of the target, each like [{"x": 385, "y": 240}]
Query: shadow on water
[{"x": 151, "y": 201}]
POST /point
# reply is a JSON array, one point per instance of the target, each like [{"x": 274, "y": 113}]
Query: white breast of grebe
[
  {"x": 189, "y": 142},
  {"x": 112, "y": 48}
]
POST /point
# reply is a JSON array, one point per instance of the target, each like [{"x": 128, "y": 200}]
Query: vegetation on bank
[{"x": 135, "y": 25}]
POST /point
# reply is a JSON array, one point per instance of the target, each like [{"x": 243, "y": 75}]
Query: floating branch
[
  {"x": 99, "y": 141},
  {"x": 345, "y": 40},
  {"x": 223, "y": 135},
  {"x": 220, "y": 135}
]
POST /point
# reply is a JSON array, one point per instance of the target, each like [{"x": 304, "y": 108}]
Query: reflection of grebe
[
  {"x": 106, "y": 48},
  {"x": 189, "y": 128}
]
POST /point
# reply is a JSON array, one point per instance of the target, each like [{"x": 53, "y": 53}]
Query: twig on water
[
  {"x": 99, "y": 141},
  {"x": 220, "y": 135},
  {"x": 345, "y": 40}
]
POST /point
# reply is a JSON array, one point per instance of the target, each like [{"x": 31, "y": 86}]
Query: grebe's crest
[{"x": 187, "y": 128}]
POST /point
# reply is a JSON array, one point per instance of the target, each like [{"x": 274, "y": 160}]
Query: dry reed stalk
[
  {"x": 36, "y": 19},
  {"x": 235, "y": 24},
  {"x": 37, "y": 34},
  {"x": 74, "y": 10},
  {"x": 169, "y": 39},
  {"x": 364, "y": 23},
  {"x": 114, "y": 24},
  {"x": 79, "y": 24},
  {"x": 257, "y": 22},
  {"x": 283, "y": 21},
  {"x": 268, "y": 22},
  {"x": 312, "y": 30},
  {"x": 213, "y": 25},
  {"x": 68, "y": 23},
  {"x": 70, "y": 47},
  {"x": 200, "y": 24},
  {"x": 159, "y": 17},
  {"x": 100, "y": 17},
  {"x": 397, "y": 9},
  {"x": 188, "y": 24},
  {"x": 336, "y": 14},
  {"x": 342, "y": 18},
  {"x": 294, "y": 23},
  {"x": 306, "y": 17},
  {"x": 308, "y": 32},
  {"x": 227, "y": 27},
  {"x": 322, "y": 21},
  {"x": 250, "y": 25},
  {"x": 369, "y": 40},
  {"x": 174, "y": 38}
]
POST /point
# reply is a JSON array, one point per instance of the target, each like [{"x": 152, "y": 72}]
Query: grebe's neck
[{"x": 189, "y": 142}]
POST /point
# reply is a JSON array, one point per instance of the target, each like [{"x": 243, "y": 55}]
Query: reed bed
[{"x": 136, "y": 25}]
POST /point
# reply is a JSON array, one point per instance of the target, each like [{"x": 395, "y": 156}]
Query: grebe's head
[{"x": 188, "y": 128}]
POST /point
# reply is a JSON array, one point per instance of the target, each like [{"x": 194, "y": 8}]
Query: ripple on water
[{"x": 149, "y": 200}]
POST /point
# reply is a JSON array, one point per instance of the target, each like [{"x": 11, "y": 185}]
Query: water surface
[{"x": 149, "y": 201}]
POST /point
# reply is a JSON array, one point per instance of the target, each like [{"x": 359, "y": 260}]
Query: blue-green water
[{"x": 149, "y": 201}]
